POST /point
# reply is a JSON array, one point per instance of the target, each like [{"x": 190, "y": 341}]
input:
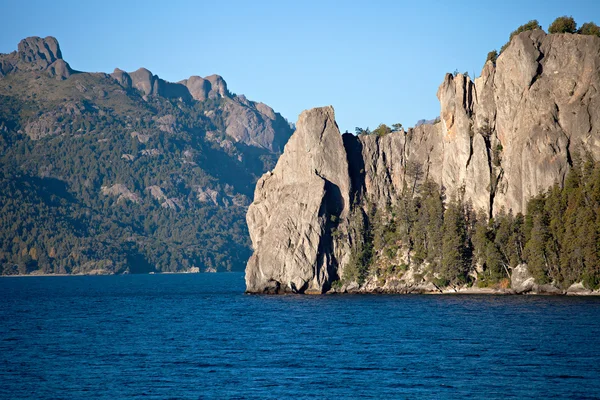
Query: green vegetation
[
  {"x": 381, "y": 130},
  {"x": 362, "y": 250},
  {"x": 562, "y": 228},
  {"x": 455, "y": 244},
  {"x": 559, "y": 237},
  {"x": 589, "y": 28},
  {"x": 396, "y": 127},
  {"x": 492, "y": 56},
  {"x": 530, "y": 26},
  {"x": 563, "y": 25},
  {"x": 361, "y": 131},
  {"x": 54, "y": 217}
]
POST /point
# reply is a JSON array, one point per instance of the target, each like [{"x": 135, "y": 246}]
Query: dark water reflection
[{"x": 198, "y": 336}]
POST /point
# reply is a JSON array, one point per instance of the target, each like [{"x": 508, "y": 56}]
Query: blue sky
[{"x": 374, "y": 61}]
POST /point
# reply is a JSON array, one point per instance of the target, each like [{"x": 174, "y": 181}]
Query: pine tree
[
  {"x": 535, "y": 249},
  {"x": 455, "y": 260}
]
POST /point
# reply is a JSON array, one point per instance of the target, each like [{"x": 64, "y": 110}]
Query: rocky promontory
[{"x": 501, "y": 139}]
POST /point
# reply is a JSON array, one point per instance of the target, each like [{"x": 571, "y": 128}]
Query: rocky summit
[
  {"x": 501, "y": 139},
  {"x": 36, "y": 54},
  {"x": 294, "y": 208}
]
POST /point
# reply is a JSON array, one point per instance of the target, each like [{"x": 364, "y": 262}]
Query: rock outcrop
[
  {"x": 295, "y": 209},
  {"x": 121, "y": 192},
  {"x": 211, "y": 87},
  {"x": 36, "y": 54},
  {"x": 500, "y": 140},
  {"x": 247, "y": 122},
  {"x": 522, "y": 120},
  {"x": 509, "y": 134}
]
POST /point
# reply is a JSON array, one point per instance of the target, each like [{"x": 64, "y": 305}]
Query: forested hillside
[
  {"x": 104, "y": 174},
  {"x": 455, "y": 245}
]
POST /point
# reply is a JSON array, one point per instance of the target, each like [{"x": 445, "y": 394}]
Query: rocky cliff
[
  {"x": 500, "y": 140},
  {"x": 295, "y": 208},
  {"x": 36, "y": 54}
]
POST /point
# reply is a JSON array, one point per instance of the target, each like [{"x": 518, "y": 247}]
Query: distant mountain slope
[{"x": 125, "y": 172}]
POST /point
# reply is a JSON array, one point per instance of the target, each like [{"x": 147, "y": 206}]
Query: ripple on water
[{"x": 199, "y": 336}]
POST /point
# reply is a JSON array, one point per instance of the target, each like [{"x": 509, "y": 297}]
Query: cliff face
[
  {"x": 295, "y": 208},
  {"x": 522, "y": 120},
  {"x": 501, "y": 139},
  {"x": 36, "y": 54}
]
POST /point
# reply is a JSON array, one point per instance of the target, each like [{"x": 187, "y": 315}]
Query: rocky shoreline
[{"x": 547, "y": 290}]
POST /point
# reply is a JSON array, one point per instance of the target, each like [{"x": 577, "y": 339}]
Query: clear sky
[{"x": 374, "y": 61}]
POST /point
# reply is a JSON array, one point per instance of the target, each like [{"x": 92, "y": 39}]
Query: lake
[{"x": 198, "y": 336}]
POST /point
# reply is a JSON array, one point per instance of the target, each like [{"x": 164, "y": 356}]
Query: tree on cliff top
[
  {"x": 382, "y": 130},
  {"x": 492, "y": 56},
  {"x": 361, "y": 131},
  {"x": 589, "y": 28},
  {"x": 563, "y": 24},
  {"x": 530, "y": 26}
]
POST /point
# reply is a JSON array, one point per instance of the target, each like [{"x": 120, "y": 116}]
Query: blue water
[{"x": 198, "y": 336}]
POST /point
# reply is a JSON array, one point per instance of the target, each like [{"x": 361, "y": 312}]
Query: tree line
[
  {"x": 558, "y": 236},
  {"x": 563, "y": 24}
]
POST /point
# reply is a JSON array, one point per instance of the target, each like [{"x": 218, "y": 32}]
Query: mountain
[
  {"x": 447, "y": 205},
  {"x": 125, "y": 172}
]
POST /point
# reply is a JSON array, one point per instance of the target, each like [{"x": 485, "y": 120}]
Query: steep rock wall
[
  {"x": 295, "y": 207},
  {"x": 501, "y": 139}
]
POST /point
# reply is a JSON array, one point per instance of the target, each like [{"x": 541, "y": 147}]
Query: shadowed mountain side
[{"x": 125, "y": 172}]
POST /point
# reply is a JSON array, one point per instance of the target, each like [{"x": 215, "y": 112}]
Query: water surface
[{"x": 198, "y": 336}]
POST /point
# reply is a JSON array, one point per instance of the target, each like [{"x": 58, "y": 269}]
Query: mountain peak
[
  {"x": 36, "y": 54},
  {"x": 35, "y": 49}
]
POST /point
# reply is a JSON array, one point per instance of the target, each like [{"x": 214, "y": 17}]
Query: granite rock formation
[
  {"x": 248, "y": 122},
  {"x": 36, "y": 54},
  {"x": 501, "y": 139},
  {"x": 253, "y": 124},
  {"x": 295, "y": 207}
]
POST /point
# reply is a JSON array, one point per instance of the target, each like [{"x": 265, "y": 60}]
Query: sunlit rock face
[{"x": 501, "y": 139}]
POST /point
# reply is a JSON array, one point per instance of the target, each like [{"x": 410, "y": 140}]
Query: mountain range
[{"x": 125, "y": 172}]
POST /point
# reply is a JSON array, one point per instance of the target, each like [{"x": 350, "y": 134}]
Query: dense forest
[
  {"x": 454, "y": 244},
  {"x": 98, "y": 179}
]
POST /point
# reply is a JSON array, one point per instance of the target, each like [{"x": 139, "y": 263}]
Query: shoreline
[
  {"x": 465, "y": 291},
  {"x": 435, "y": 293},
  {"x": 67, "y": 275},
  {"x": 430, "y": 290},
  {"x": 469, "y": 292},
  {"x": 450, "y": 291}
]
